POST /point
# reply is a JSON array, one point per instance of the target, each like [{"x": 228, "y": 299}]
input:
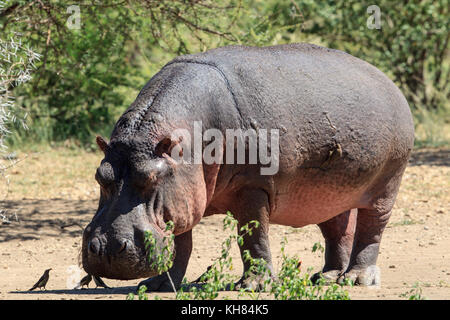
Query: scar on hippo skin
[
  {"x": 329, "y": 121},
  {"x": 254, "y": 124},
  {"x": 333, "y": 154}
]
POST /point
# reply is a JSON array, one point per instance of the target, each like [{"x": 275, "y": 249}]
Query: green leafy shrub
[
  {"x": 217, "y": 278},
  {"x": 291, "y": 285},
  {"x": 414, "y": 294}
]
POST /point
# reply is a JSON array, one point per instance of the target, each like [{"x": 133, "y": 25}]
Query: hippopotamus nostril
[{"x": 94, "y": 246}]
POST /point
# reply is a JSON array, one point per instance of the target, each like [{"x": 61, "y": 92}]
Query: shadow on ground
[
  {"x": 32, "y": 219},
  {"x": 433, "y": 157},
  {"x": 98, "y": 291},
  {"x": 91, "y": 291}
]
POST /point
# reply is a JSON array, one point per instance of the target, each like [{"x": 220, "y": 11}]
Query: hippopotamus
[{"x": 344, "y": 132}]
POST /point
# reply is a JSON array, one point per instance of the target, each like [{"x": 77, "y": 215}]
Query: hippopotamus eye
[
  {"x": 102, "y": 182},
  {"x": 104, "y": 177}
]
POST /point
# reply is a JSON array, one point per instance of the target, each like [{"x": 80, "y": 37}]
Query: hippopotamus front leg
[
  {"x": 253, "y": 204},
  {"x": 183, "y": 249}
]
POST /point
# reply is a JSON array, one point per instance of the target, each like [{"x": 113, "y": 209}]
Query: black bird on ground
[
  {"x": 84, "y": 282},
  {"x": 42, "y": 282},
  {"x": 99, "y": 282}
]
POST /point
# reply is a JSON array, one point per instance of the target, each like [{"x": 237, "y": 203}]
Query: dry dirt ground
[{"x": 52, "y": 195}]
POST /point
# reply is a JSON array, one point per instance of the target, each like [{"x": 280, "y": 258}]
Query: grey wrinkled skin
[{"x": 346, "y": 133}]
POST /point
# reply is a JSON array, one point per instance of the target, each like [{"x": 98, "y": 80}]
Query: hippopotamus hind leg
[
  {"x": 371, "y": 221},
  {"x": 362, "y": 267},
  {"x": 338, "y": 233}
]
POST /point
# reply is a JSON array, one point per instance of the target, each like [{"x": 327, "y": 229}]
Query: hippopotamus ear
[
  {"x": 102, "y": 144},
  {"x": 166, "y": 148}
]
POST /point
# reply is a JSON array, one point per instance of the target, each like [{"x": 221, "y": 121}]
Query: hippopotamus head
[{"x": 142, "y": 188}]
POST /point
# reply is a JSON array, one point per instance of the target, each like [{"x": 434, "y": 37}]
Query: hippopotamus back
[{"x": 323, "y": 101}]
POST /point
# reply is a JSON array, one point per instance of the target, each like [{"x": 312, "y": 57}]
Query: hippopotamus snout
[{"x": 117, "y": 254}]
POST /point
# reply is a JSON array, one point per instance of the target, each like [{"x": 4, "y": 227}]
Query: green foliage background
[{"x": 88, "y": 76}]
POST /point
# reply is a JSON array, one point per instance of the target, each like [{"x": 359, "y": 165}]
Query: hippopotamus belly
[{"x": 312, "y": 205}]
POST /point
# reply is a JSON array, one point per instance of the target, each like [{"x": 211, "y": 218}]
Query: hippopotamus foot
[
  {"x": 352, "y": 241},
  {"x": 162, "y": 283},
  {"x": 368, "y": 276},
  {"x": 328, "y": 277},
  {"x": 159, "y": 283},
  {"x": 255, "y": 282}
]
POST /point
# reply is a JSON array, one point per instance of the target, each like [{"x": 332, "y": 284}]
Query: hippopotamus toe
[
  {"x": 327, "y": 277},
  {"x": 368, "y": 276}
]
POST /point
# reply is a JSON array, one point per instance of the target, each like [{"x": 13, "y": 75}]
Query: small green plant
[
  {"x": 414, "y": 294},
  {"x": 161, "y": 256},
  {"x": 318, "y": 247},
  {"x": 217, "y": 278},
  {"x": 291, "y": 285},
  {"x": 142, "y": 295},
  {"x": 405, "y": 222}
]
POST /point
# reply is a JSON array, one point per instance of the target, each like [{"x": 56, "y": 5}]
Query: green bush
[
  {"x": 87, "y": 77},
  {"x": 291, "y": 285}
]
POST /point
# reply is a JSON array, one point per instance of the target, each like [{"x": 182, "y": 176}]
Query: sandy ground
[{"x": 52, "y": 197}]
